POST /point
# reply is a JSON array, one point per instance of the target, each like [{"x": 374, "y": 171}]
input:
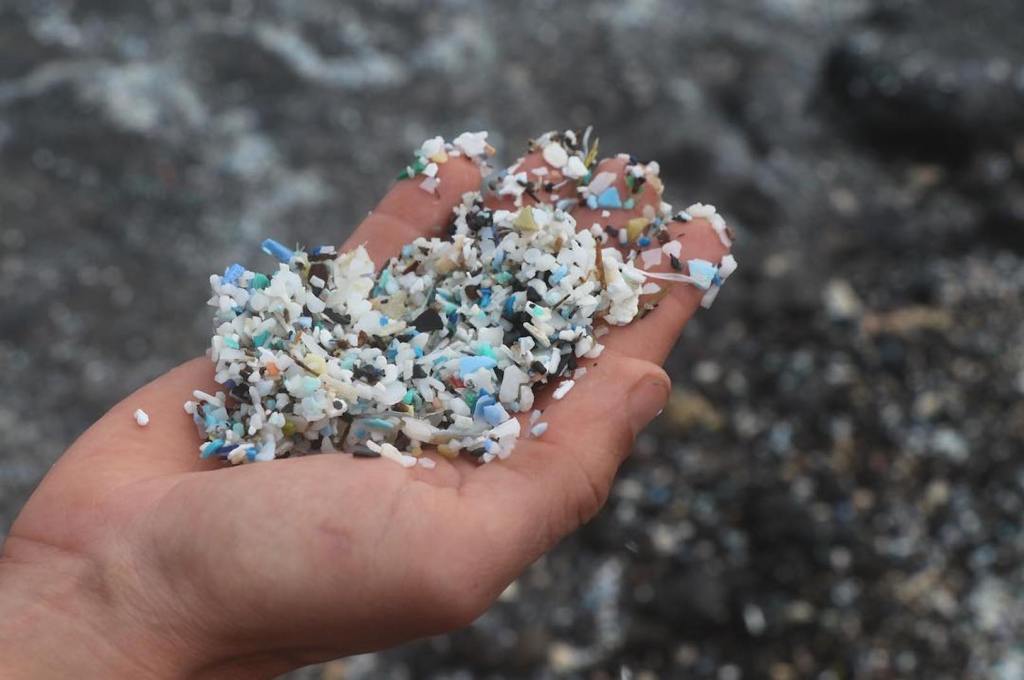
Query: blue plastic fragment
[
  {"x": 232, "y": 273},
  {"x": 485, "y": 297},
  {"x": 210, "y": 448},
  {"x": 592, "y": 202},
  {"x": 644, "y": 241},
  {"x": 384, "y": 320},
  {"x": 495, "y": 414},
  {"x": 278, "y": 250},
  {"x": 609, "y": 198},
  {"x": 483, "y": 400},
  {"x": 702, "y": 272},
  {"x": 558, "y": 274},
  {"x": 379, "y": 424},
  {"x": 468, "y": 365}
]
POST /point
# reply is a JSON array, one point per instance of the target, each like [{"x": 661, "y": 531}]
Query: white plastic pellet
[{"x": 563, "y": 389}]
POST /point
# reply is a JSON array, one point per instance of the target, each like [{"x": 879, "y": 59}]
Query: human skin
[{"x": 133, "y": 558}]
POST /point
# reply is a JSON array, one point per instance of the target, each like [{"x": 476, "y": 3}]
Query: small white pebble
[
  {"x": 673, "y": 248},
  {"x": 650, "y": 289},
  {"x": 651, "y": 258},
  {"x": 427, "y": 463},
  {"x": 727, "y": 267},
  {"x": 534, "y": 417},
  {"x": 563, "y": 389},
  {"x": 575, "y": 168},
  {"x": 539, "y": 429},
  {"x": 555, "y": 155},
  {"x": 141, "y": 417}
]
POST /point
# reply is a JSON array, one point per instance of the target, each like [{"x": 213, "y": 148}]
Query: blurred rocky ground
[{"x": 836, "y": 489}]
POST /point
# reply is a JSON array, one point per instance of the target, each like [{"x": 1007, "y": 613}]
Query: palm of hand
[{"x": 271, "y": 566}]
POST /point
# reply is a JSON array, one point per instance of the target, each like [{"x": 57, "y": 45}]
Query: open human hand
[{"x": 134, "y": 558}]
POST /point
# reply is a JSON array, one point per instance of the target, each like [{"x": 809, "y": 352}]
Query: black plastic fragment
[{"x": 428, "y": 321}]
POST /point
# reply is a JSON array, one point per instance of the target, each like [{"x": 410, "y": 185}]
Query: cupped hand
[{"x": 134, "y": 558}]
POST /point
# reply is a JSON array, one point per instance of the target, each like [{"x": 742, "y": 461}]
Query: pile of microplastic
[{"x": 446, "y": 343}]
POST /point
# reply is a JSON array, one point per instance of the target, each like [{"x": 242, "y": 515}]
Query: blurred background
[{"x": 837, "y": 486}]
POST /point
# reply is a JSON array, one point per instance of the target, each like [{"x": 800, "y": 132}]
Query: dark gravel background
[{"x": 836, "y": 490}]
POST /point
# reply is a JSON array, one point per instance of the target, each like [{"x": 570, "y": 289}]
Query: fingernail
[{"x": 646, "y": 400}]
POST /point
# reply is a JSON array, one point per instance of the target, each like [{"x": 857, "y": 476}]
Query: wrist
[{"x": 59, "y": 618}]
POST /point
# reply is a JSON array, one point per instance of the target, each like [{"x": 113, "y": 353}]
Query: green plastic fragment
[
  {"x": 260, "y": 339},
  {"x": 260, "y": 281},
  {"x": 410, "y": 395},
  {"x": 469, "y": 396},
  {"x": 411, "y": 171},
  {"x": 486, "y": 351}
]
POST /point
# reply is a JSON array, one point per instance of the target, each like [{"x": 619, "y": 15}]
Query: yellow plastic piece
[{"x": 635, "y": 227}]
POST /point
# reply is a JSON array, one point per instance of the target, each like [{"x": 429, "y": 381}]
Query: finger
[
  {"x": 169, "y": 443},
  {"x": 409, "y": 211},
  {"x": 636, "y": 199},
  {"x": 653, "y": 336},
  {"x": 529, "y": 181},
  {"x": 552, "y": 484}
]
